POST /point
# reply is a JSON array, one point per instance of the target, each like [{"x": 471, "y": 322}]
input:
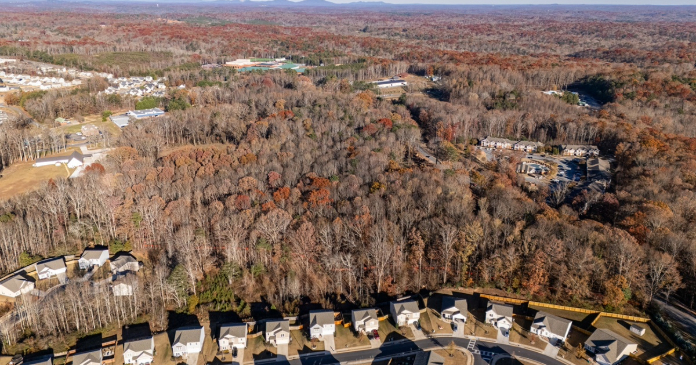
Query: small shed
[{"x": 637, "y": 329}]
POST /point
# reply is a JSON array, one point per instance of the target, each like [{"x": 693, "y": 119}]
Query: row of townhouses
[{"x": 531, "y": 147}]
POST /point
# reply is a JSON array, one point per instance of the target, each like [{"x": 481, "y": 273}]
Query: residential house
[
  {"x": 93, "y": 357},
  {"x": 365, "y": 320},
  {"x": 552, "y": 327},
  {"x": 404, "y": 312},
  {"x": 428, "y": 358},
  {"x": 16, "y": 285},
  {"x": 73, "y": 160},
  {"x": 92, "y": 257},
  {"x": 51, "y": 267},
  {"x": 278, "y": 332},
  {"x": 579, "y": 150},
  {"x": 123, "y": 263},
  {"x": 608, "y": 347},
  {"x": 499, "y": 315},
  {"x": 43, "y": 360},
  {"x": 499, "y": 143},
  {"x": 139, "y": 352},
  {"x": 233, "y": 335},
  {"x": 188, "y": 340},
  {"x": 124, "y": 285},
  {"x": 528, "y": 146},
  {"x": 321, "y": 323},
  {"x": 454, "y": 309}
]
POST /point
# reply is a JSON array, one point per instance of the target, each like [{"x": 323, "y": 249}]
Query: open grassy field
[
  {"x": 23, "y": 177},
  {"x": 95, "y": 119}
]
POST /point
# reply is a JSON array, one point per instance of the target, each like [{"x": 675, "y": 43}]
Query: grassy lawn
[
  {"x": 163, "y": 350},
  {"x": 210, "y": 347},
  {"x": 95, "y": 119},
  {"x": 23, "y": 177},
  {"x": 430, "y": 321},
  {"x": 345, "y": 337},
  {"x": 300, "y": 344},
  {"x": 257, "y": 350},
  {"x": 521, "y": 336},
  {"x": 387, "y": 332},
  {"x": 475, "y": 327}
]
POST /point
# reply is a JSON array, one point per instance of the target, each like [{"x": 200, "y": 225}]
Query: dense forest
[{"x": 282, "y": 188}]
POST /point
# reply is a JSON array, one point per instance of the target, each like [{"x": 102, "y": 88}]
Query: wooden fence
[{"x": 658, "y": 357}]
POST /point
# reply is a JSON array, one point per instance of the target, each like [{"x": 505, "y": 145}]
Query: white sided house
[
  {"x": 404, "y": 312},
  {"x": 139, "y": 352},
  {"x": 321, "y": 323},
  {"x": 124, "y": 285},
  {"x": 454, "y": 309},
  {"x": 123, "y": 263},
  {"x": 51, "y": 267},
  {"x": 16, "y": 285},
  {"x": 552, "y": 327},
  {"x": 93, "y": 357},
  {"x": 92, "y": 257},
  {"x": 499, "y": 315},
  {"x": 72, "y": 161},
  {"x": 608, "y": 347},
  {"x": 233, "y": 335},
  {"x": 188, "y": 340},
  {"x": 278, "y": 332},
  {"x": 365, "y": 320}
]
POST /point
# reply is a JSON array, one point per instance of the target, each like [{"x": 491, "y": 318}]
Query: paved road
[
  {"x": 686, "y": 320},
  {"x": 483, "y": 352},
  {"x": 429, "y": 156}
]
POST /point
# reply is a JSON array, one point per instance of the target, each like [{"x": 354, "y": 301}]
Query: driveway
[
  {"x": 239, "y": 359},
  {"x": 503, "y": 339},
  {"x": 460, "y": 331},
  {"x": 418, "y": 334},
  {"x": 329, "y": 344},
  {"x": 551, "y": 350},
  {"x": 192, "y": 359},
  {"x": 282, "y": 352},
  {"x": 375, "y": 343}
]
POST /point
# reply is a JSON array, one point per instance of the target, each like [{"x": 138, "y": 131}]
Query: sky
[{"x": 525, "y": 2}]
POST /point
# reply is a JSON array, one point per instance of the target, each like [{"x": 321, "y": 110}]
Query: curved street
[{"x": 483, "y": 352}]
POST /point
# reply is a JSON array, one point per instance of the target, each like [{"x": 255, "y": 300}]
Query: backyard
[{"x": 23, "y": 177}]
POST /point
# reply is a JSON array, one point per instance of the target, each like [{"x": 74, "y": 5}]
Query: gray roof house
[
  {"x": 321, "y": 323},
  {"x": 404, "y": 312},
  {"x": 124, "y": 262},
  {"x": 93, "y": 257},
  {"x": 139, "y": 352},
  {"x": 608, "y": 347},
  {"x": 454, "y": 309},
  {"x": 188, "y": 340},
  {"x": 16, "y": 285},
  {"x": 278, "y": 332},
  {"x": 365, "y": 320},
  {"x": 233, "y": 335},
  {"x": 499, "y": 315},
  {"x": 553, "y": 327},
  {"x": 51, "y": 267},
  {"x": 93, "y": 357}
]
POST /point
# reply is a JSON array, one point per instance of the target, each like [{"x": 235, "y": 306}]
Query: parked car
[
  {"x": 375, "y": 334},
  {"x": 505, "y": 332}
]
